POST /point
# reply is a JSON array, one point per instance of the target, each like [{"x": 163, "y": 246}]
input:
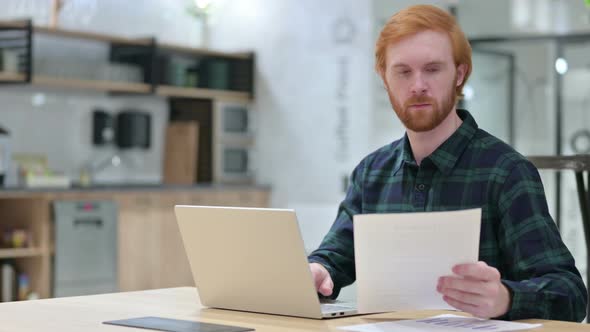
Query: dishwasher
[{"x": 85, "y": 258}]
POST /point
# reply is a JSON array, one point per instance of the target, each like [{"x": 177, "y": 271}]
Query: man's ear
[
  {"x": 383, "y": 79},
  {"x": 461, "y": 71}
]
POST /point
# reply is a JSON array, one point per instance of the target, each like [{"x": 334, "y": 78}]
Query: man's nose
[{"x": 419, "y": 86}]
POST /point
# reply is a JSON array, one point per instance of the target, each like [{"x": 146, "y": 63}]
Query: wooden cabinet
[
  {"x": 138, "y": 241},
  {"x": 35, "y": 261},
  {"x": 150, "y": 250}
]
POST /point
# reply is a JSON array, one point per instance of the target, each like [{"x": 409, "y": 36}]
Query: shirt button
[{"x": 420, "y": 187}]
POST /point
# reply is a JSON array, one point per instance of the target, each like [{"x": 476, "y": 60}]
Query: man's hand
[
  {"x": 476, "y": 289},
  {"x": 321, "y": 278}
]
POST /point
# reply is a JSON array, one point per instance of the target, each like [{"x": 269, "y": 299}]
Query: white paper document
[
  {"x": 400, "y": 256},
  {"x": 442, "y": 323}
]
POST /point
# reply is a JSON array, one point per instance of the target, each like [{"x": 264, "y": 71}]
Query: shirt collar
[
  {"x": 445, "y": 157},
  {"x": 407, "y": 156}
]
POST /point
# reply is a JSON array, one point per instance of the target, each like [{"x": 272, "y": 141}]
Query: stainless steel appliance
[
  {"x": 233, "y": 147},
  {"x": 85, "y": 260}
]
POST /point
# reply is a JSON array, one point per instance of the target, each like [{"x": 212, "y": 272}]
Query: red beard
[{"x": 425, "y": 119}]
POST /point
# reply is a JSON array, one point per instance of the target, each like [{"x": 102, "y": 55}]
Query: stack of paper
[{"x": 442, "y": 323}]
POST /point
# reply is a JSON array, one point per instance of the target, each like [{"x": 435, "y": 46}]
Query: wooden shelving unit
[
  {"x": 153, "y": 52},
  {"x": 202, "y": 51},
  {"x": 72, "y": 83},
  {"x": 30, "y": 214},
  {"x": 127, "y": 87},
  {"x": 110, "y": 86},
  {"x": 91, "y": 36},
  {"x": 7, "y": 77},
  {"x": 149, "y": 249},
  {"x": 20, "y": 252},
  {"x": 174, "y": 91}
]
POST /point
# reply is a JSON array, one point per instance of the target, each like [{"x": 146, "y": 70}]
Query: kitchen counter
[{"x": 7, "y": 192}]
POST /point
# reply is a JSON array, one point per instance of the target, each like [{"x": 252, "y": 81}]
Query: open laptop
[{"x": 251, "y": 259}]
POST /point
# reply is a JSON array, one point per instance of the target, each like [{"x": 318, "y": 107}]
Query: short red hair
[{"x": 419, "y": 18}]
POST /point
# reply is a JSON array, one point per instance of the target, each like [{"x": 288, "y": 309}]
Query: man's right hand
[{"x": 321, "y": 278}]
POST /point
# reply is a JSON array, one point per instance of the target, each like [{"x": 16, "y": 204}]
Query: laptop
[{"x": 252, "y": 259}]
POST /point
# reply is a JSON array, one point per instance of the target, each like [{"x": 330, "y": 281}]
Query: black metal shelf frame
[{"x": 19, "y": 39}]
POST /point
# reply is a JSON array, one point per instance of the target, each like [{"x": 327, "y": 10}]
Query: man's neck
[{"x": 424, "y": 143}]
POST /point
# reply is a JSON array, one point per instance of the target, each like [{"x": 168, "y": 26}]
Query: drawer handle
[{"x": 88, "y": 222}]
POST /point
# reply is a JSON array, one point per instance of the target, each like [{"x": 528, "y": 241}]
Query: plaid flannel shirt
[{"x": 471, "y": 169}]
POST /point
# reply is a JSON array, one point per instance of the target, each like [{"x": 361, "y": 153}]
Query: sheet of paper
[
  {"x": 442, "y": 323},
  {"x": 399, "y": 257}
]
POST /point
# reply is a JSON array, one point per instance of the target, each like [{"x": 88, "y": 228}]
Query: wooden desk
[{"x": 86, "y": 313}]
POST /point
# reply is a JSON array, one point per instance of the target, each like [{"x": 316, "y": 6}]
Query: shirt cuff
[{"x": 523, "y": 300}]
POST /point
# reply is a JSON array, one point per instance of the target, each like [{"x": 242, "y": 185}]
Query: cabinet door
[
  {"x": 174, "y": 268},
  {"x": 139, "y": 242},
  {"x": 151, "y": 252}
]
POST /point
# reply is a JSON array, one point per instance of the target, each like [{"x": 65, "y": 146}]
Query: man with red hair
[{"x": 445, "y": 162}]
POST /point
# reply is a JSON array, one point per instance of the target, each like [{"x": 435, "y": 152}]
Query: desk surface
[{"x": 86, "y": 313}]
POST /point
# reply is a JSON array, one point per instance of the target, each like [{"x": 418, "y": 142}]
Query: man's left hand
[{"x": 476, "y": 289}]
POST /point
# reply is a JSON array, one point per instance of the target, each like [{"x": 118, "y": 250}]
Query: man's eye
[{"x": 432, "y": 70}]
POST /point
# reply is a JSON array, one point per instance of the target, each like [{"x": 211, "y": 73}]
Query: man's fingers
[
  {"x": 464, "y": 285},
  {"x": 322, "y": 280},
  {"x": 466, "y": 307},
  {"x": 318, "y": 274},
  {"x": 463, "y": 297},
  {"x": 318, "y": 281},
  {"x": 326, "y": 286},
  {"x": 479, "y": 270}
]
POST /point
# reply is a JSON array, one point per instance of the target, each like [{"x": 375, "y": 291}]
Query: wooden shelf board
[
  {"x": 203, "y": 51},
  {"x": 107, "y": 86},
  {"x": 125, "y": 87},
  {"x": 20, "y": 252},
  {"x": 9, "y": 76},
  {"x": 91, "y": 36},
  {"x": 173, "y": 91},
  {"x": 17, "y": 24}
]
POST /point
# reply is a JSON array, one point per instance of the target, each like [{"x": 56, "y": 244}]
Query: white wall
[
  {"x": 312, "y": 93},
  {"x": 61, "y": 130}
]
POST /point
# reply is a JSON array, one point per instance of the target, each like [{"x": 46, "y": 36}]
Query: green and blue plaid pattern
[{"x": 472, "y": 169}]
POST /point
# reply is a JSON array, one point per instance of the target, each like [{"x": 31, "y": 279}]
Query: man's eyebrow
[
  {"x": 432, "y": 63},
  {"x": 435, "y": 63}
]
